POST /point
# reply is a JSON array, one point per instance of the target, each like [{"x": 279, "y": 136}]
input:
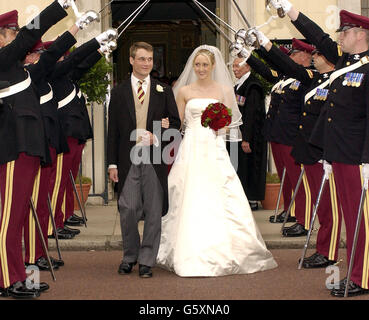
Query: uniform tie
[{"x": 140, "y": 92}]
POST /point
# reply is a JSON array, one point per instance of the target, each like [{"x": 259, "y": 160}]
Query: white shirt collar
[
  {"x": 134, "y": 82},
  {"x": 241, "y": 80}
]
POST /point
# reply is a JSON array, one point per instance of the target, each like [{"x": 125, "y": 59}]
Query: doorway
[{"x": 173, "y": 28}]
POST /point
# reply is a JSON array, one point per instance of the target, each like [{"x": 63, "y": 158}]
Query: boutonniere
[{"x": 159, "y": 88}]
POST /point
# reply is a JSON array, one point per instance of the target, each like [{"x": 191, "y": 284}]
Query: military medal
[
  {"x": 359, "y": 79},
  {"x": 345, "y": 81},
  {"x": 295, "y": 85},
  {"x": 240, "y": 100}
]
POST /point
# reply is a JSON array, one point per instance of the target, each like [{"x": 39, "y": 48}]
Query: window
[{"x": 365, "y": 8}]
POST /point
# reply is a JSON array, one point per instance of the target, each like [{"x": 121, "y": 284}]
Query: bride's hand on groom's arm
[
  {"x": 165, "y": 123},
  {"x": 113, "y": 174}
]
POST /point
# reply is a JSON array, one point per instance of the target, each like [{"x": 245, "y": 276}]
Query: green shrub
[
  {"x": 85, "y": 180},
  {"x": 272, "y": 178}
]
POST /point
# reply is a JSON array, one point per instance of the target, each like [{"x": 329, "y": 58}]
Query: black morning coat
[
  {"x": 252, "y": 166},
  {"x": 302, "y": 151},
  {"x": 39, "y": 73},
  {"x": 73, "y": 116},
  {"x": 273, "y": 77},
  {"x": 122, "y": 122},
  {"x": 343, "y": 126},
  {"x": 22, "y": 128}
]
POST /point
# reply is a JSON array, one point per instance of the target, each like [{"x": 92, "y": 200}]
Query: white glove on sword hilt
[
  {"x": 365, "y": 174},
  {"x": 65, "y": 3},
  {"x": 282, "y": 6},
  {"x": 263, "y": 40},
  {"x": 327, "y": 167},
  {"x": 87, "y": 18},
  {"x": 108, "y": 48},
  {"x": 247, "y": 37},
  {"x": 107, "y": 36}
]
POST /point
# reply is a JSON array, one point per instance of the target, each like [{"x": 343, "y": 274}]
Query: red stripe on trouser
[
  {"x": 278, "y": 161},
  {"x": 314, "y": 175},
  {"x": 42, "y": 213},
  {"x": 66, "y": 167},
  {"x": 348, "y": 181},
  {"x": 25, "y": 170},
  {"x": 293, "y": 171},
  {"x": 76, "y": 155}
]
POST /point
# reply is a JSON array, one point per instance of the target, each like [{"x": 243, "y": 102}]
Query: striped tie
[{"x": 140, "y": 92}]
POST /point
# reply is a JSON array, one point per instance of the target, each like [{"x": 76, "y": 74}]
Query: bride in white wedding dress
[{"x": 209, "y": 229}]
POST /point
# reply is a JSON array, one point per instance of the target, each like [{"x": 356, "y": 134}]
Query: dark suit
[
  {"x": 122, "y": 122},
  {"x": 252, "y": 166}
]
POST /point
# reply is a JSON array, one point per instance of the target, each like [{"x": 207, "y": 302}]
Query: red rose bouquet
[{"x": 216, "y": 116}]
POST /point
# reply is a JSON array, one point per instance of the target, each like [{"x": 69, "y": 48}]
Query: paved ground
[
  {"x": 103, "y": 232},
  {"x": 93, "y": 257}
]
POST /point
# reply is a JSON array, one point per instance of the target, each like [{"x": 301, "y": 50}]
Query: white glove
[
  {"x": 87, "y": 18},
  {"x": 65, "y": 3},
  {"x": 107, "y": 36},
  {"x": 235, "y": 48},
  {"x": 240, "y": 36},
  {"x": 284, "y": 4},
  {"x": 109, "y": 47},
  {"x": 365, "y": 171},
  {"x": 263, "y": 40},
  {"x": 327, "y": 167},
  {"x": 245, "y": 53}
]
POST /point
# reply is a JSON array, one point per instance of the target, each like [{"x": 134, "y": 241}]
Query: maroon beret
[
  {"x": 352, "y": 20},
  {"x": 39, "y": 46},
  {"x": 284, "y": 49},
  {"x": 47, "y": 44},
  {"x": 301, "y": 46},
  {"x": 9, "y": 20}
]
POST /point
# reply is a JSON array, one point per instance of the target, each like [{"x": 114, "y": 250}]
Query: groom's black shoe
[
  {"x": 145, "y": 271},
  {"x": 126, "y": 267}
]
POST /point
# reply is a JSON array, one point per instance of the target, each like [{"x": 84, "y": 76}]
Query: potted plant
[
  {"x": 86, "y": 185},
  {"x": 271, "y": 192}
]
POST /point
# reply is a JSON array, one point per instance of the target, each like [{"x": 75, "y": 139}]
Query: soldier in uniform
[
  {"x": 310, "y": 155},
  {"x": 275, "y": 78},
  {"x": 40, "y": 62},
  {"x": 75, "y": 75},
  {"x": 23, "y": 144},
  {"x": 346, "y": 130},
  {"x": 75, "y": 125},
  {"x": 284, "y": 131},
  {"x": 252, "y": 151}
]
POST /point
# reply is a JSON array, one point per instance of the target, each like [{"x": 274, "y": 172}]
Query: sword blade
[
  {"x": 242, "y": 14},
  {"x": 356, "y": 235},
  {"x": 44, "y": 247},
  {"x": 293, "y": 198},
  {"x": 211, "y": 20},
  {"x": 316, "y": 207}
]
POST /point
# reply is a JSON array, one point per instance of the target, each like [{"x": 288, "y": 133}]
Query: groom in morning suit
[{"x": 136, "y": 104}]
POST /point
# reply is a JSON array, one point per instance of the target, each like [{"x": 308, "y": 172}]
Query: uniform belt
[
  {"x": 364, "y": 60},
  {"x": 16, "y": 88},
  {"x": 47, "y": 97},
  {"x": 68, "y": 99}
]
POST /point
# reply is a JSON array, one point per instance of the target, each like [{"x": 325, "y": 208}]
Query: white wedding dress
[{"x": 209, "y": 229}]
